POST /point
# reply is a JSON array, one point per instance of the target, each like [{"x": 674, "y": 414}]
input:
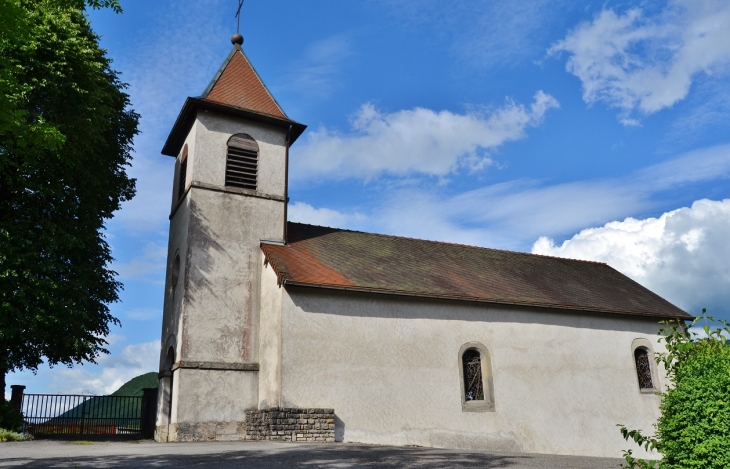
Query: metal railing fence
[{"x": 79, "y": 414}]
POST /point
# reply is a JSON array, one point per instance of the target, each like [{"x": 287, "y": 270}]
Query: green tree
[
  {"x": 66, "y": 130},
  {"x": 693, "y": 430}
]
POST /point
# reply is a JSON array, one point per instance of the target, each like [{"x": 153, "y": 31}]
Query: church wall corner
[{"x": 270, "y": 319}]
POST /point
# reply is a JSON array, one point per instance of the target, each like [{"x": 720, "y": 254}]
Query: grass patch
[
  {"x": 7, "y": 435},
  {"x": 82, "y": 442}
]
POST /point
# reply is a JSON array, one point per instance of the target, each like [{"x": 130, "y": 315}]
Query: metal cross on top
[
  {"x": 238, "y": 15},
  {"x": 237, "y": 39}
]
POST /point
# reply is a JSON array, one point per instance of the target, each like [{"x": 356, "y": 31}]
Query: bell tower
[{"x": 231, "y": 150}]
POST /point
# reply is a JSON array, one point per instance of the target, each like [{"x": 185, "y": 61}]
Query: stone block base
[
  {"x": 202, "y": 431},
  {"x": 291, "y": 424}
]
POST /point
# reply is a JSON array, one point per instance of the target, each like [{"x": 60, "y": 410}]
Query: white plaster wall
[
  {"x": 269, "y": 339},
  {"x": 215, "y": 395},
  {"x": 222, "y": 282},
  {"x": 212, "y": 134},
  {"x": 172, "y": 312},
  {"x": 173, "y": 300},
  {"x": 388, "y": 365}
]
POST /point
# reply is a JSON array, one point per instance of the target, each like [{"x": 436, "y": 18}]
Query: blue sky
[{"x": 593, "y": 130}]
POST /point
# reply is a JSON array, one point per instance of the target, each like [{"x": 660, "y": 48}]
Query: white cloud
[
  {"x": 513, "y": 214},
  {"x": 684, "y": 255},
  {"x": 634, "y": 62},
  {"x": 418, "y": 141},
  {"x": 305, "y": 213},
  {"x": 112, "y": 370}
]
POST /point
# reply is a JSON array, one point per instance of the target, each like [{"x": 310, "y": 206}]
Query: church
[{"x": 296, "y": 332}]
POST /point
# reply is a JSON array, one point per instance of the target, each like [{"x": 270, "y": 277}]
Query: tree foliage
[
  {"x": 694, "y": 428},
  {"x": 66, "y": 131}
]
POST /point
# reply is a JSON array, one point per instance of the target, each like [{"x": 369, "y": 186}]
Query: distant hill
[{"x": 134, "y": 386}]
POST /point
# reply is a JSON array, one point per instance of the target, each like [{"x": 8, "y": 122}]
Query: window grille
[
  {"x": 183, "y": 172},
  {"x": 473, "y": 382},
  {"x": 643, "y": 368},
  {"x": 242, "y": 162}
]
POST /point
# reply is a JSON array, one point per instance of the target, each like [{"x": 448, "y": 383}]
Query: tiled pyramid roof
[
  {"x": 237, "y": 84},
  {"x": 236, "y": 90},
  {"x": 329, "y": 257}
]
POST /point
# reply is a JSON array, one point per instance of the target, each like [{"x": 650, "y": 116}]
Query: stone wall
[
  {"x": 291, "y": 424},
  {"x": 207, "y": 431}
]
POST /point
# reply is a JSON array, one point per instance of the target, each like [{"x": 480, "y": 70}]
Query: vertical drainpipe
[{"x": 286, "y": 184}]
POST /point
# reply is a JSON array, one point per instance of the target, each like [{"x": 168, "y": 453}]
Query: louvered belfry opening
[
  {"x": 643, "y": 368},
  {"x": 183, "y": 172},
  {"x": 473, "y": 382},
  {"x": 242, "y": 162}
]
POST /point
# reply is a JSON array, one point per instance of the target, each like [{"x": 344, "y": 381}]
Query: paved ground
[{"x": 45, "y": 453}]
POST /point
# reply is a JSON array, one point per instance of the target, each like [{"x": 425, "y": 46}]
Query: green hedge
[{"x": 694, "y": 428}]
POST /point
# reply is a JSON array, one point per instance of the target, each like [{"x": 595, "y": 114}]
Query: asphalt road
[{"x": 265, "y": 454}]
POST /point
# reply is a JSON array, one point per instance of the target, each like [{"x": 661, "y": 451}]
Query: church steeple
[
  {"x": 238, "y": 85},
  {"x": 230, "y": 192},
  {"x": 236, "y": 90}
]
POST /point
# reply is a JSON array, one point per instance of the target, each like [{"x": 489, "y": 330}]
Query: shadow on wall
[
  {"x": 201, "y": 240},
  {"x": 376, "y": 305},
  {"x": 339, "y": 429}
]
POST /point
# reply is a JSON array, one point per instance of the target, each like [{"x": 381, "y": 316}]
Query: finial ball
[{"x": 237, "y": 39}]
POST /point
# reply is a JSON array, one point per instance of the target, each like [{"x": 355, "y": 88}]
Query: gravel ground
[{"x": 266, "y": 454}]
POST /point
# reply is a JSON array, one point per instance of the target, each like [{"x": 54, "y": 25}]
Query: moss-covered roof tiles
[{"x": 334, "y": 258}]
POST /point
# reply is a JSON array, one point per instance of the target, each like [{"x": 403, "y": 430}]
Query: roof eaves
[
  {"x": 267, "y": 258},
  {"x": 180, "y": 129},
  {"x": 185, "y": 120},
  {"x": 287, "y": 282}
]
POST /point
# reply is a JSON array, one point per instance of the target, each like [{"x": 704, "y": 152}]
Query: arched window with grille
[
  {"x": 242, "y": 162},
  {"x": 473, "y": 381},
  {"x": 477, "y": 384},
  {"x": 645, "y": 367}
]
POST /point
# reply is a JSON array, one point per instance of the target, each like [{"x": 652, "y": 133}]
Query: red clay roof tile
[
  {"x": 329, "y": 257},
  {"x": 239, "y": 85}
]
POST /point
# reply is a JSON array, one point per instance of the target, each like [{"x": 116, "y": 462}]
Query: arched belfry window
[
  {"x": 242, "y": 162},
  {"x": 477, "y": 383},
  {"x": 183, "y": 174},
  {"x": 645, "y": 368}
]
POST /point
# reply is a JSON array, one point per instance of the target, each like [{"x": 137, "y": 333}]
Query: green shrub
[
  {"x": 10, "y": 418},
  {"x": 693, "y": 430},
  {"x": 7, "y": 435}
]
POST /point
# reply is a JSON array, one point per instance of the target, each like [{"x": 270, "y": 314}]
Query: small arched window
[
  {"x": 183, "y": 174},
  {"x": 473, "y": 381},
  {"x": 242, "y": 162},
  {"x": 645, "y": 369},
  {"x": 477, "y": 384}
]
